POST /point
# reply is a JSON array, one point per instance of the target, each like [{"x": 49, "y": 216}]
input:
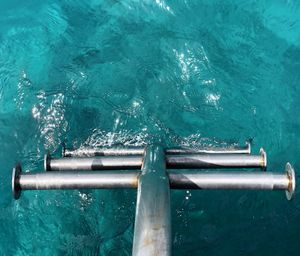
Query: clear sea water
[{"x": 130, "y": 72}]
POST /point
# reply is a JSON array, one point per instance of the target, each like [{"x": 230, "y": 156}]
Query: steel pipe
[
  {"x": 152, "y": 229},
  {"x": 82, "y": 152},
  {"x": 71, "y": 180},
  {"x": 139, "y": 151},
  {"x": 187, "y": 161},
  {"x": 236, "y": 180},
  {"x": 211, "y": 150},
  {"x": 183, "y": 180},
  {"x": 193, "y": 161},
  {"x": 93, "y": 163}
]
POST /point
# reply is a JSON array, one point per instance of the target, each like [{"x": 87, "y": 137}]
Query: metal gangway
[{"x": 151, "y": 170}]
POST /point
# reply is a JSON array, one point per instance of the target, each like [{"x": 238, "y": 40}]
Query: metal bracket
[{"x": 88, "y": 169}]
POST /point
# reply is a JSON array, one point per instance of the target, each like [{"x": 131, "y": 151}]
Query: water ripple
[{"x": 189, "y": 73}]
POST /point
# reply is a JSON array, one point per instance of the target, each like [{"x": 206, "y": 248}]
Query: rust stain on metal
[
  {"x": 135, "y": 181},
  {"x": 290, "y": 179}
]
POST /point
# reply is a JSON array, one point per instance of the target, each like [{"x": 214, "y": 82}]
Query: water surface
[{"x": 102, "y": 73}]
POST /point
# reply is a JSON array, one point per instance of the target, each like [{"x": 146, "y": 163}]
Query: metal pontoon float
[{"x": 150, "y": 171}]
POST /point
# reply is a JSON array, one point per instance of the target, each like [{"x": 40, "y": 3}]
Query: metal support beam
[
  {"x": 134, "y": 151},
  {"x": 93, "y": 163},
  {"x": 185, "y": 161},
  {"x": 152, "y": 229},
  {"x": 211, "y": 150},
  {"x": 195, "y": 161},
  {"x": 71, "y": 180},
  {"x": 236, "y": 180},
  {"x": 82, "y": 152},
  {"x": 179, "y": 180}
]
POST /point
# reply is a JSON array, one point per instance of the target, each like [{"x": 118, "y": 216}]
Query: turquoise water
[{"x": 126, "y": 72}]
